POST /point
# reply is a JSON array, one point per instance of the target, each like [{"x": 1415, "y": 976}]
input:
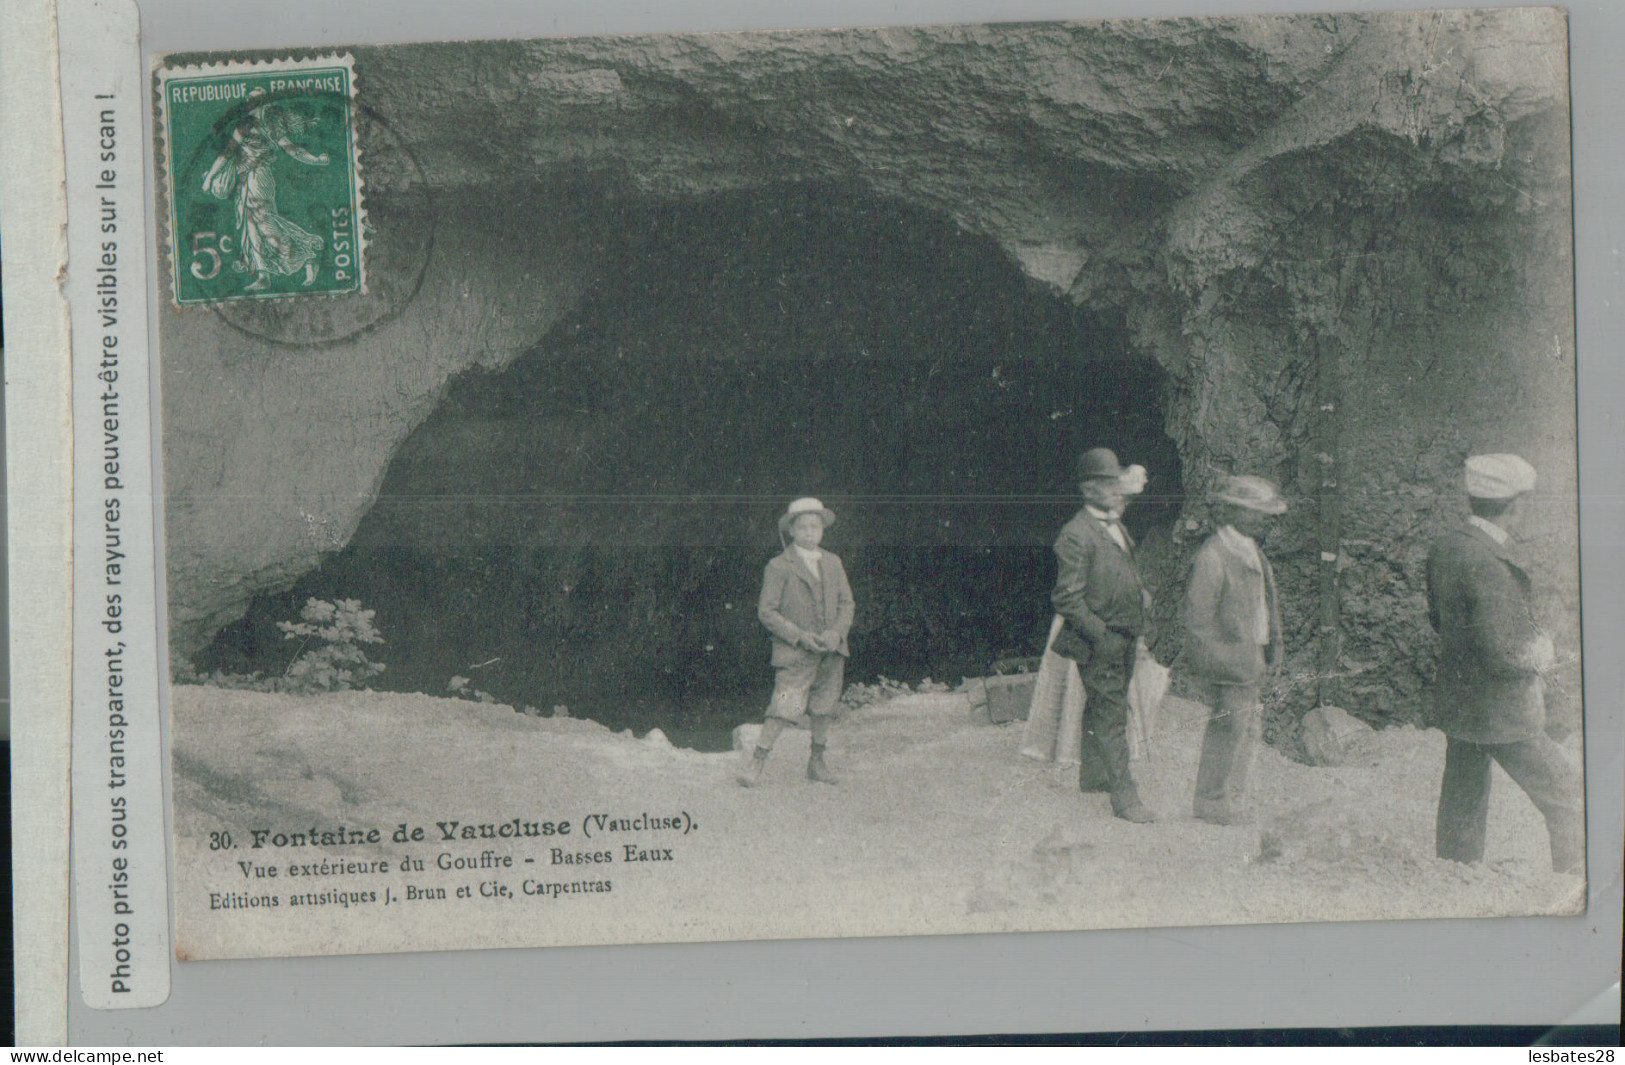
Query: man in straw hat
[
  {"x": 1103, "y": 606},
  {"x": 1232, "y": 636},
  {"x": 806, "y": 603},
  {"x": 1488, "y": 697}
]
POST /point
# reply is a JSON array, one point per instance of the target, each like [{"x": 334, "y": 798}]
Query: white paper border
[{"x": 38, "y": 472}]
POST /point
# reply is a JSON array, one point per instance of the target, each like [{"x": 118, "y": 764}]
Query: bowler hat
[
  {"x": 805, "y": 505},
  {"x": 1254, "y": 493},
  {"x": 1098, "y": 462}
]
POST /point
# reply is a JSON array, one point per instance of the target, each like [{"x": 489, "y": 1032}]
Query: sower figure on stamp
[
  {"x": 1232, "y": 636},
  {"x": 806, "y": 603},
  {"x": 267, "y": 242},
  {"x": 1488, "y": 698},
  {"x": 1104, "y": 609}
]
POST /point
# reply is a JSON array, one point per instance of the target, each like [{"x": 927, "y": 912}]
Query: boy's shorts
[{"x": 810, "y": 687}]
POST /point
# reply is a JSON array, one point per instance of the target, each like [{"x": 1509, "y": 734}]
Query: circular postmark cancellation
[{"x": 267, "y": 223}]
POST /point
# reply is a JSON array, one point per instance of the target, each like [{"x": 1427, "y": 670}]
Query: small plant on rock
[
  {"x": 858, "y": 695},
  {"x": 463, "y": 688},
  {"x": 338, "y": 661}
]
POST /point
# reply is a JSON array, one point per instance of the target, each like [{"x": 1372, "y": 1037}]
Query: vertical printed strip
[{"x": 120, "y": 872}]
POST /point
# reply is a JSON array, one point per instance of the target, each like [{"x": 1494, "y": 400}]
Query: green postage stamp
[{"x": 263, "y": 179}]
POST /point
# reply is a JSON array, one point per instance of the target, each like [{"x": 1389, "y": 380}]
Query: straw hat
[
  {"x": 1254, "y": 493},
  {"x": 805, "y": 505}
]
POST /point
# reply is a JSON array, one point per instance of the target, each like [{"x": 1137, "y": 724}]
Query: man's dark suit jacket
[
  {"x": 1097, "y": 591},
  {"x": 1479, "y": 602}
]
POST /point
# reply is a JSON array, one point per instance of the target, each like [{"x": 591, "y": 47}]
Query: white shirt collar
[
  {"x": 1114, "y": 527},
  {"x": 1492, "y": 530},
  {"x": 811, "y": 556},
  {"x": 1242, "y": 546},
  {"x": 1245, "y": 548}
]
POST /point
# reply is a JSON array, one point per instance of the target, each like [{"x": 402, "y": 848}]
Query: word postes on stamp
[{"x": 264, "y": 187}]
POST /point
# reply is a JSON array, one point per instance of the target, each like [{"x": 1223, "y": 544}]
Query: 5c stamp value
[{"x": 263, "y": 183}]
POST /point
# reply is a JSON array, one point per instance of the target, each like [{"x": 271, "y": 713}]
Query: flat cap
[{"x": 1499, "y": 476}]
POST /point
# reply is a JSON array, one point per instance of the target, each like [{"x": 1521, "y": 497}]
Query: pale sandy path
[{"x": 938, "y": 826}]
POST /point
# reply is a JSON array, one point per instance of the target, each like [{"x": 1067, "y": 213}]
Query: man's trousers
[
  {"x": 1235, "y": 724},
  {"x": 1538, "y": 766},
  {"x": 1105, "y": 762}
]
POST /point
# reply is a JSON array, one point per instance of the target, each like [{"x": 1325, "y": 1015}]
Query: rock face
[
  {"x": 1254, "y": 199},
  {"x": 273, "y": 453},
  {"x": 1333, "y": 736}
]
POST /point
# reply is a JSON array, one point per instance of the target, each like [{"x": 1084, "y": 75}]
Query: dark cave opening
[{"x": 588, "y": 526}]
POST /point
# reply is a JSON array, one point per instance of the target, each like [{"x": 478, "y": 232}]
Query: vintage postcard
[{"x": 868, "y": 482}]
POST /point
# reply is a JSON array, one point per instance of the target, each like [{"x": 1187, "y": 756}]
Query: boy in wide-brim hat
[
  {"x": 1232, "y": 638},
  {"x": 806, "y": 603}
]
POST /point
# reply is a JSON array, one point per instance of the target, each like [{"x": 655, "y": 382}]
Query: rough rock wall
[
  {"x": 273, "y": 453},
  {"x": 1410, "y": 221},
  {"x": 1247, "y": 193}
]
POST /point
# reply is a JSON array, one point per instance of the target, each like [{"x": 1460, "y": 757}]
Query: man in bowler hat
[
  {"x": 1104, "y": 606},
  {"x": 1488, "y": 697}
]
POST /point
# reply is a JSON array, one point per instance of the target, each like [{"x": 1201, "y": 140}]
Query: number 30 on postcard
[{"x": 263, "y": 185}]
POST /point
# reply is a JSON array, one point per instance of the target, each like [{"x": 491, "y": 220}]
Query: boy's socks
[
  {"x": 769, "y": 734},
  {"x": 816, "y": 770},
  {"x": 751, "y": 775}
]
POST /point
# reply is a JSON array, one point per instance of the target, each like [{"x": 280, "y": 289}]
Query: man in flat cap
[
  {"x": 1488, "y": 697},
  {"x": 1232, "y": 636},
  {"x": 1103, "y": 606}
]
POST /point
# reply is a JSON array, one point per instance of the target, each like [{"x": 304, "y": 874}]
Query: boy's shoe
[
  {"x": 751, "y": 775},
  {"x": 818, "y": 771}
]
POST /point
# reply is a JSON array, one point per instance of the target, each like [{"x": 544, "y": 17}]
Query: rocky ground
[{"x": 938, "y": 825}]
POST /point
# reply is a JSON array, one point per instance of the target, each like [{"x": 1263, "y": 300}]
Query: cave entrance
[{"x": 588, "y": 526}]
